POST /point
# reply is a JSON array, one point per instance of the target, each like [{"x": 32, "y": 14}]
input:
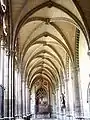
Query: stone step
[{"x": 43, "y": 116}]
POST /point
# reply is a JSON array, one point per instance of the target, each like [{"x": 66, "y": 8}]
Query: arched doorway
[{"x": 41, "y": 101}]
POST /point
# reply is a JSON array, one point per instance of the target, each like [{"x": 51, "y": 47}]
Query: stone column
[
  {"x": 30, "y": 100},
  {"x": 88, "y": 91},
  {"x": 67, "y": 97},
  {"x": 6, "y": 85},
  {"x": 66, "y": 86},
  {"x": 35, "y": 101},
  {"x": 76, "y": 94},
  {"x": 9, "y": 107},
  {"x": 2, "y": 73},
  {"x": 52, "y": 103},
  {"x": 13, "y": 84},
  {"x": 76, "y": 78},
  {"x": 23, "y": 98},
  {"x": 19, "y": 94},
  {"x": 27, "y": 101},
  {"x": 57, "y": 102},
  {"x": 16, "y": 93},
  {"x": 59, "y": 99}
]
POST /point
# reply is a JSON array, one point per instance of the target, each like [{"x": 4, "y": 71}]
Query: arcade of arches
[{"x": 45, "y": 59}]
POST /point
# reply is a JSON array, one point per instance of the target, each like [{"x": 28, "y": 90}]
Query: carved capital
[
  {"x": 10, "y": 52},
  {"x": 66, "y": 80},
  {"x": 88, "y": 53}
]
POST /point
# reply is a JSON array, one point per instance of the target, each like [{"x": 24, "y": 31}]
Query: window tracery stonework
[{"x": 40, "y": 83}]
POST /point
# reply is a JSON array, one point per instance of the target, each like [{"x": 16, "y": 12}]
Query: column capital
[
  {"x": 88, "y": 53},
  {"x": 66, "y": 80},
  {"x": 73, "y": 69},
  {"x": 57, "y": 88},
  {"x": 3, "y": 43}
]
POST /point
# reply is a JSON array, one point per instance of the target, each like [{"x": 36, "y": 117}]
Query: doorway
[{"x": 41, "y": 101}]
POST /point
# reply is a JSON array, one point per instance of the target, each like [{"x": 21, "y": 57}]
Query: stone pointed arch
[{"x": 49, "y": 3}]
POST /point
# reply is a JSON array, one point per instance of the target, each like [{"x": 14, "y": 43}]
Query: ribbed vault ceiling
[
  {"x": 43, "y": 47},
  {"x": 45, "y": 36}
]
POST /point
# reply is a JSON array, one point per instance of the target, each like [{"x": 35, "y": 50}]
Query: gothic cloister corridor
[{"x": 44, "y": 59}]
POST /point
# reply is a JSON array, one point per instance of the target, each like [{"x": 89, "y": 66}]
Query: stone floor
[
  {"x": 47, "y": 117},
  {"x": 54, "y": 117},
  {"x": 63, "y": 117}
]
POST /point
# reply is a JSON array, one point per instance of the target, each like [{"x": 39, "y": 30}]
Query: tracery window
[{"x": 41, "y": 93}]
